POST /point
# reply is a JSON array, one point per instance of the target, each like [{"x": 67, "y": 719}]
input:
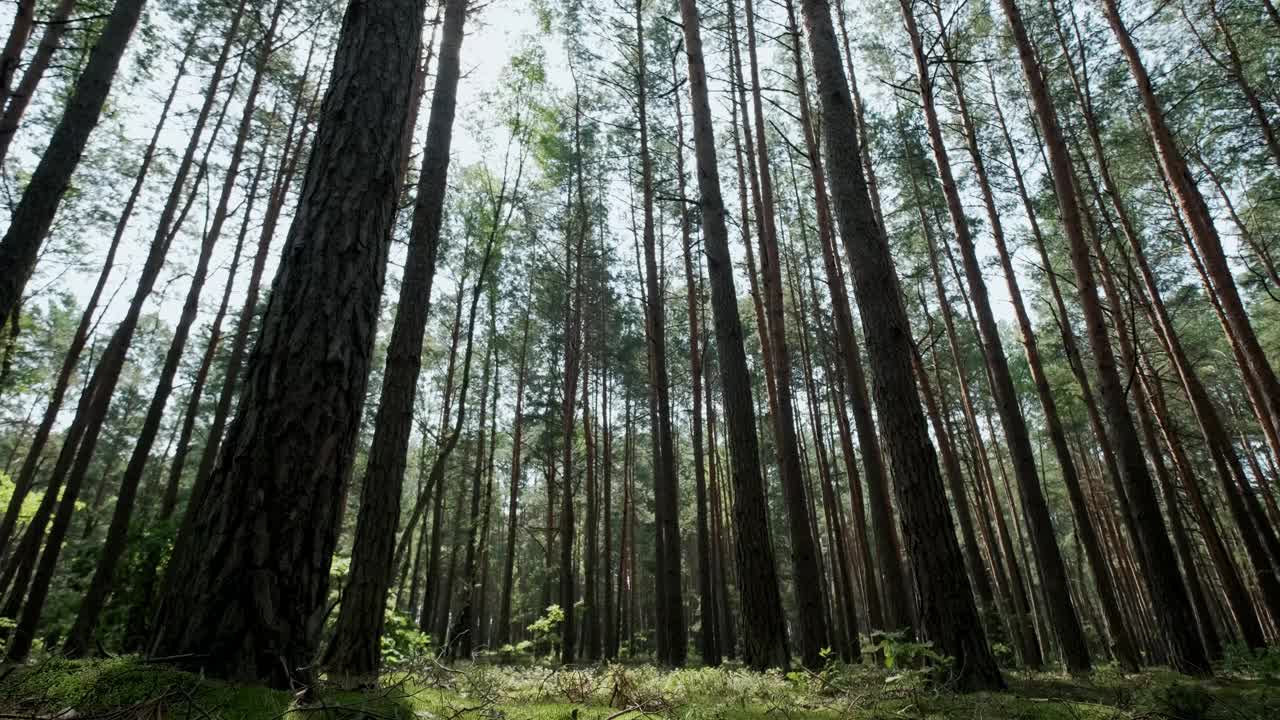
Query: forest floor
[{"x": 128, "y": 689}]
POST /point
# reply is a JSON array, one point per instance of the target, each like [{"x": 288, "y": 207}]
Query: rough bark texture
[
  {"x": 764, "y": 632},
  {"x": 356, "y": 648},
  {"x": 251, "y": 603},
  {"x": 946, "y": 609}
]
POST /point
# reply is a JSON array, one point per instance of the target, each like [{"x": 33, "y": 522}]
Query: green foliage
[
  {"x": 546, "y": 629},
  {"x": 1239, "y": 659},
  {"x": 402, "y": 641},
  {"x": 1178, "y": 699},
  {"x": 127, "y": 687},
  {"x": 29, "y": 503}
]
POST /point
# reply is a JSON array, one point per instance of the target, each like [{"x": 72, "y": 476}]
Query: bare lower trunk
[
  {"x": 263, "y": 566},
  {"x": 764, "y": 631},
  {"x": 947, "y": 613}
]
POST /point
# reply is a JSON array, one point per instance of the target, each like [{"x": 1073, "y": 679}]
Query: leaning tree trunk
[
  {"x": 252, "y": 601},
  {"x": 91, "y": 413},
  {"x": 764, "y": 636},
  {"x": 35, "y": 451},
  {"x": 1174, "y": 612},
  {"x": 80, "y": 636},
  {"x": 19, "y": 98},
  {"x": 946, "y": 608},
  {"x": 1053, "y": 571},
  {"x": 24, "y": 20},
  {"x": 356, "y": 648},
  {"x": 32, "y": 218},
  {"x": 1257, "y": 367}
]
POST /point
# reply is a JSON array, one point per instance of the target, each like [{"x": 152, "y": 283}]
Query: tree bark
[
  {"x": 32, "y": 218},
  {"x": 1176, "y": 617},
  {"x": 356, "y": 650},
  {"x": 764, "y": 640},
  {"x": 251, "y": 603},
  {"x": 1053, "y": 572},
  {"x": 1200, "y": 220},
  {"x": 513, "y": 508},
  {"x": 944, "y": 600},
  {"x": 80, "y": 637},
  {"x": 19, "y": 98}
]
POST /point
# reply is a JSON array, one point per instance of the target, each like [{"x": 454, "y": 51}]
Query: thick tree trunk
[
  {"x": 946, "y": 609},
  {"x": 892, "y": 581},
  {"x": 356, "y": 649},
  {"x": 251, "y": 603},
  {"x": 764, "y": 640},
  {"x": 29, "y": 225}
]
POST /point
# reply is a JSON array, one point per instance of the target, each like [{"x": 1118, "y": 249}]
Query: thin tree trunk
[
  {"x": 806, "y": 569},
  {"x": 764, "y": 641},
  {"x": 710, "y": 642},
  {"x": 24, "y": 20},
  {"x": 19, "y": 98},
  {"x": 513, "y": 508},
  {"x": 32, "y": 218},
  {"x": 1200, "y": 220},
  {"x": 80, "y": 637},
  {"x": 1176, "y": 617},
  {"x": 1121, "y": 641},
  {"x": 35, "y": 451},
  {"x": 1053, "y": 573}
]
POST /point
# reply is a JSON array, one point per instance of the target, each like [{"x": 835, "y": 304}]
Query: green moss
[{"x": 102, "y": 687}]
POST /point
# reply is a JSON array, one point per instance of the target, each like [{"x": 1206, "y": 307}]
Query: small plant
[
  {"x": 546, "y": 629},
  {"x": 1179, "y": 700},
  {"x": 1240, "y": 659},
  {"x": 402, "y": 641}
]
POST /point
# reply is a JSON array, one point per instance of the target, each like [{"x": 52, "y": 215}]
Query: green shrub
[{"x": 1176, "y": 699}]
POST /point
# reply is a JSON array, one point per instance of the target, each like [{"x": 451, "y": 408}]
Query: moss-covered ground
[{"x": 126, "y": 688}]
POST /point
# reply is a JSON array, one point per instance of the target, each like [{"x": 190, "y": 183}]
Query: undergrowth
[{"x": 128, "y": 688}]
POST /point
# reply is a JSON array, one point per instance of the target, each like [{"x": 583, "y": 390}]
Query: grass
[{"x": 127, "y": 688}]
